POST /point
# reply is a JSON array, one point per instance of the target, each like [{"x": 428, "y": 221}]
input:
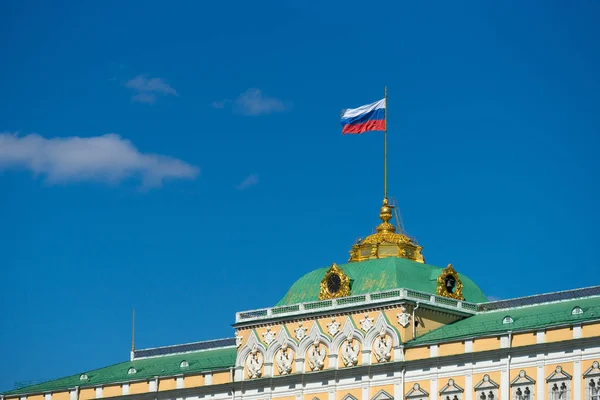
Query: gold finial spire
[
  {"x": 386, "y": 242},
  {"x": 385, "y": 214}
]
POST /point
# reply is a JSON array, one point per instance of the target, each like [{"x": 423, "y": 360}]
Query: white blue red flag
[{"x": 370, "y": 117}]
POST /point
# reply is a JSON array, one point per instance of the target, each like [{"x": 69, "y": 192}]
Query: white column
[
  {"x": 179, "y": 382},
  {"x": 208, "y": 378},
  {"x": 125, "y": 389},
  {"x": 433, "y": 350},
  {"x": 365, "y": 392},
  {"x": 540, "y": 337},
  {"x": 98, "y": 393},
  {"x": 469, "y": 386},
  {"x": 577, "y": 332},
  {"x": 540, "y": 382},
  {"x": 433, "y": 394},
  {"x": 505, "y": 384},
  {"x": 468, "y": 346},
  {"x": 48, "y": 396},
  {"x": 577, "y": 393}
]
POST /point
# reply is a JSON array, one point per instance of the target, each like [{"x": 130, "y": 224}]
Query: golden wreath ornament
[{"x": 449, "y": 284}]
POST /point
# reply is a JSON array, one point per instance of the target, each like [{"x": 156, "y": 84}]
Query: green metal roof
[
  {"x": 379, "y": 275},
  {"x": 524, "y": 319},
  {"x": 145, "y": 368}
]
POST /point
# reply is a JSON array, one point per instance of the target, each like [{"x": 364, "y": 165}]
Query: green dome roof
[{"x": 379, "y": 275}]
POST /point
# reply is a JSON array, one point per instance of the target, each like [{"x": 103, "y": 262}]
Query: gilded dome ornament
[
  {"x": 386, "y": 242},
  {"x": 335, "y": 284},
  {"x": 449, "y": 284}
]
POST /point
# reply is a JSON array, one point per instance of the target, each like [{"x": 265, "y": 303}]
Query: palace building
[{"x": 384, "y": 325}]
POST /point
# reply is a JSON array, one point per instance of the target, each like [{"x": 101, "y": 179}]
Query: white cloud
[
  {"x": 108, "y": 158},
  {"x": 254, "y": 102},
  {"x": 251, "y": 180},
  {"x": 146, "y": 89}
]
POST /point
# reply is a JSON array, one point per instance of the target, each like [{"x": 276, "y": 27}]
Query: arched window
[
  {"x": 507, "y": 320},
  {"x": 131, "y": 371},
  {"x": 184, "y": 364},
  {"x": 577, "y": 310}
]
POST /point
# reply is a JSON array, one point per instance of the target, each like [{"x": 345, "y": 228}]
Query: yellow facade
[
  {"x": 36, "y": 397},
  {"x": 84, "y": 394},
  {"x": 221, "y": 377},
  {"x": 167, "y": 384},
  {"x": 416, "y": 353},
  {"x": 110, "y": 391},
  {"x": 64, "y": 395},
  {"x": 590, "y": 330},
  {"x": 486, "y": 344},
  {"x": 193, "y": 381},
  {"x": 524, "y": 339},
  {"x": 450, "y": 349},
  {"x": 558, "y": 335},
  {"x": 138, "y": 387}
]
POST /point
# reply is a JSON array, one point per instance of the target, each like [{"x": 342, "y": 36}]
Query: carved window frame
[
  {"x": 559, "y": 379},
  {"x": 523, "y": 382},
  {"x": 592, "y": 374},
  {"x": 485, "y": 387},
  {"x": 417, "y": 393}
]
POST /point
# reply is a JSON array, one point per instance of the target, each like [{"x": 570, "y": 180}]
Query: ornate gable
[
  {"x": 383, "y": 395},
  {"x": 451, "y": 391},
  {"x": 416, "y": 393},
  {"x": 558, "y": 375},
  {"x": 522, "y": 379}
]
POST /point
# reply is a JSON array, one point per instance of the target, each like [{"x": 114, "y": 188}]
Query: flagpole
[{"x": 385, "y": 148}]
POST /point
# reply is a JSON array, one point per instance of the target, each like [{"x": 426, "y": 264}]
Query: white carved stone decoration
[
  {"x": 333, "y": 328},
  {"x": 559, "y": 384},
  {"x": 269, "y": 336},
  {"x": 451, "y": 391},
  {"x": 523, "y": 386},
  {"x": 350, "y": 350},
  {"x": 300, "y": 332},
  {"x": 416, "y": 393},
  {"x": 404, "y": 317},
  {"x": 366, "y": 323},
  {"x": 254, "y": 363},
  {"x": 238, "y": 341},
  {"x": 486, "y": 389},
  {"x": 284, "y": 360},
  {"x": 382, "y": 346},
  {"x": 316, "y": 356},
  {"x": 591, "y": 378}
]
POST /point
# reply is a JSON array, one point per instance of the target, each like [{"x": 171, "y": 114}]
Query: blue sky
[{"x": 189, "y": 161}]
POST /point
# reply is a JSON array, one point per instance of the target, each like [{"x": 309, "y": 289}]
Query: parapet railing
[{"x": 353, "y": 301}]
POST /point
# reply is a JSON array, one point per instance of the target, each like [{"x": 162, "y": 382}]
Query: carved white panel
[
  {"x": 366, "y": 323},
  {"x": 269, "y": 336},
  {"x": 486, "y": 389},
  {"x": 403, "y": 317},
  {"x": 559, "y": 384},
  {"x": 416, "y": 393},
  {"x": 522, "y": 387},
  {"x": 382, "y": 346},
  {"x": 300, "y": 332},
  {"x": 591, "y": 379},
  {"x": 383, "y": 395},
  {"x": 334, "y": 327},
  {"x": 451, "y": 391}
]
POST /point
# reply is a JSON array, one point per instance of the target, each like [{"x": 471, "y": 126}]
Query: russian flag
[{"x": 370, "y": 117}]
